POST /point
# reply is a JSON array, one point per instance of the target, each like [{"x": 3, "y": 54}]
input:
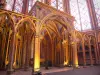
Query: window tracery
[
  {"x": 9, "y": 4},
  {"x": 58, "y": 4},
  {"x": 79, "y": 10},
  {"x": 97, "y": 10},
  {"x": 18, "y": 5}
]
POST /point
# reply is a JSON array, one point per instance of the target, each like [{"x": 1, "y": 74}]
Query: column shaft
[
  {"x": 11, "y": 53},
  {"x": 90, "y": 52},
  {"x": 37, "y": 54},
  {"x": 75, "y": 55},
  {"x": 84, "y": 55}
]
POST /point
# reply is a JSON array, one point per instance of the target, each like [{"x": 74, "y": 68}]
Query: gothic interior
[{"x": 57, "y": 32}]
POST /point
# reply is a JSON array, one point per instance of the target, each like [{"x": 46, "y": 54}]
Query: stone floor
[
  {"x": 55, "y": 69},
  {"x": 94, "y": 70}
]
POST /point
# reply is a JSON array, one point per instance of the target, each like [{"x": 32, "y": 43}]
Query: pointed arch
[
  {"x": 9, "y": 16},
  {"x": 54, "y": 31},
  {"x": 66, "y": 25},
  {"x": 78, "y": 34},
  {"x": 27, "y": 19},
  {"x": 85, "y": 37},
  {"x": 56, "y": 28},
  {"x": 55, "y": 14},
  {"x": 44, "y": 28}
]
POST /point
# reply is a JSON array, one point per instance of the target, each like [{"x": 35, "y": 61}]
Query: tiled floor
[
  {"x": 18, "y": 72},
  {"x": 95, "y": 70},
  {"x": 55, "y": 69}
]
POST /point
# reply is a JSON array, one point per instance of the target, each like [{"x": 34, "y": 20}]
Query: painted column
[
  {"x": 32, "y": 46},
  {"x": 27, "y": 52},
  {"x": 47, "y": 55},
  {"x": 66, "y": 59},
  {"x": 75, "y": 57},
  {"x": 33, "y": 52},
  {"x": 84, "y": 55},
  {"x": 11, "y": 54},
  {"x": 55, "y": 50},
  {"x": 52, "y": 51},
  {"x": 90, "y": 52},
  {"x": 97, "y": 47},
  {"x": 37, "y": 54},
  {"x": 23, "y": 51},
  {"x": 15, "y": 54},
  {"x": 74, "y": 45},
  {"x": 94, "y": 22},
  {"x": 60, "y": 53},
  {"x": 2, "y": 49},
  {"x": 37, "y": 44},
  {"x": 95, "y": 51},
  {"x": 6, "y": 60}
]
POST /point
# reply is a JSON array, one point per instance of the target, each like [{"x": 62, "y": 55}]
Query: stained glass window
[
  {"x": 58, "y": 4},
  {"x": 18, "y": 5},
  {"x": 79, "y": 10},
  {"x": 53, "y": 3},
  {"x": 9, "y": 4},
  {"x": 75, "y": 13},
  {"x": 97, "y": 10},
  {"x": 31, "y": 3}
]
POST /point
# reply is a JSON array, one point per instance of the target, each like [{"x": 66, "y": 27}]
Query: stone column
[
  {"x": 52, "y": 52},
  {"x": 95, "y": 49},
  {"x": 75, "y": 57},
  {"x": 99, "y": 52},
  {"x": 62, "y": 56},
  {"x": 60, "y": 53},
  {"x": 33, "y": 53},
  {"x": 74, "y": 45},
  {"x": 23, "y": 52},
  {"x": 55, "y": 50},
  {"x": 66, "y": 56},
  {"x": 90, "y": 52},
  {"x": 94, "y": 23},
  {"x": 84, "y": 55},
  {"x": 11, "y": 54},
  {"x": 27, "y": 52},
  {"x": 15, "y": 54},
  {"x": 36, "y": 59},
  {"x": 37, "y": 54}
]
